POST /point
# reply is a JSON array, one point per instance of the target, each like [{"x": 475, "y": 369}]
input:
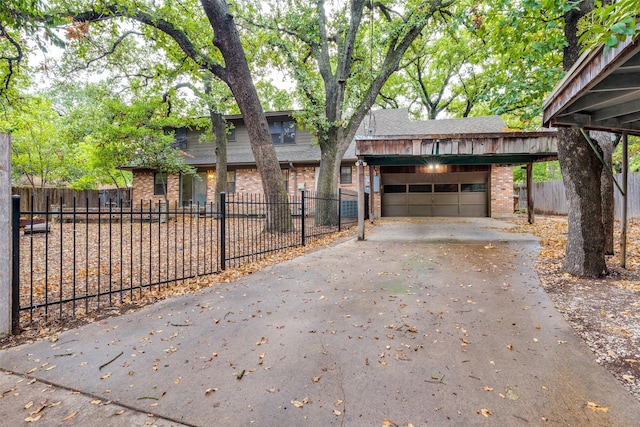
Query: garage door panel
[
  {"x": 445, "y": 199},
  {"x": 435, "y": 194},
  {"x": 445, "y": 210},
  {"x": 473, "y": 210},
  {"x": 419, "y": 210}
]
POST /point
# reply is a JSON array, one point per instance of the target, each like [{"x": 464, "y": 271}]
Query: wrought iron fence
[{"x": 71, "y": 260}]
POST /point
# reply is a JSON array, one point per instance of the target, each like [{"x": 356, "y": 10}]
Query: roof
[
  {"x": 600, "y": 92},
  {"x": 396, "y": 122}
]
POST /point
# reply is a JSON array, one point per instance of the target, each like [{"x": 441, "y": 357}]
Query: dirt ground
[{"x": 604, "y": 312}]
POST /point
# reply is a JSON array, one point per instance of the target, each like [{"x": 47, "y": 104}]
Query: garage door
[{"x": 444, "y": 194}]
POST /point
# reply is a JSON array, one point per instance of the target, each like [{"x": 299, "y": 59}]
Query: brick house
[{"x": 490, "y": 187}]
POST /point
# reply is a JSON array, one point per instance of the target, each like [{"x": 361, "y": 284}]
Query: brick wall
[
  {"x": 143, "y": 188},
  {"x": 501, "y": 190}
]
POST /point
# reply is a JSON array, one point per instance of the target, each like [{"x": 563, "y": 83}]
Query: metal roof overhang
[{"x": 600, "y": 92}]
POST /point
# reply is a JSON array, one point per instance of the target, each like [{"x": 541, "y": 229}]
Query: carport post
[
  {"x": 530, "y": 206},
  {"x": 5, "y": 235},
  {"x": 371, "y": 194},
  {"x": 623, "y": 219},
  {"x": 360, "y": 168}
]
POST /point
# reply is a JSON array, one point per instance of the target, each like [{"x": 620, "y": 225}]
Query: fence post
[
  {"x": 304, "y": 231},
  {"x": 5, "y": 235},
  {"x": 15, "y": 276},
  {"x": 223, "y": 230},
  {"x": 339, "y": 209}
]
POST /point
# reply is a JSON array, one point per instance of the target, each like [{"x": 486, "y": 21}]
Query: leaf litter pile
[{"x": 605, "y": 312}]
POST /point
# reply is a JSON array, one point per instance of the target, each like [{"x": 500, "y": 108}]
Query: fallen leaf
[
  {"x": 595, "y": 407},
  {"x": 271, "y": 390},
  {"x": 511, "y": 395},
  {"x": 297, "y": 403},
  {"x": 487, "y": 388},
  {"x": 387, "y": 423},
  {"x": 629, "y": 378},
  {"x": 120, "y": 412},
  {"x": 105, "y": 376},
  {"x": 336, "y": 412},
  {"x": 263, "y": 340},
  {"x": 71, "y": 415},
  {"x": 96, "y": 402},
  {"x": 315, "y": 379},
  {"x": 33, "y": 419},
  {"x": 510, "y": 346},
  {"x": 338, "y": 402},
  {"x": 28, "y": 405},
  {"x": 210, "y": 390},
  {"x": 485, "y": 412}
]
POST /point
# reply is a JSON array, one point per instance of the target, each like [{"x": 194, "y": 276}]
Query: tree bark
[
  {"x": 607, "y": 147},
  {"x": 581, "y": 172},
  {"x": 239, "y": 80},
  {"x": 219, "y": 125}
]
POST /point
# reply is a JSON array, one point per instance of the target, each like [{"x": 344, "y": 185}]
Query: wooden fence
[
  {"x": 84, "y": 198},
  {"x": 550, "y": 199}
]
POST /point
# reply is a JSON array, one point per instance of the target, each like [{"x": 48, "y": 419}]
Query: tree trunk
[
  {"x": 326, "y": 209},
  {"x": 241, "y": 84},
  {"x": 607, "y": 147},
  {"x": 581, "y": 172},
  {"x": 219, "y": 125}
]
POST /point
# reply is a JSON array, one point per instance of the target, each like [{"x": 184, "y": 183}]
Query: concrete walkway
[{"x": 428, "y": 322}]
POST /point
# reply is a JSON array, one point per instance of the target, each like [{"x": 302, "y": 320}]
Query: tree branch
[{"x": 178, "y": 35}]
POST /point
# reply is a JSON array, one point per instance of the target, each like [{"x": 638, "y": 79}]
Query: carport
[
  {"x": 446, "y": 173},
  {"x": 602, "y": 92}
]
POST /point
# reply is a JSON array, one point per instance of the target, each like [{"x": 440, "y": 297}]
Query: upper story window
[
  {"x": 181, "y": 138},
  {"x": 283, "y": 132},
  {"x": 231, "y": 133}
]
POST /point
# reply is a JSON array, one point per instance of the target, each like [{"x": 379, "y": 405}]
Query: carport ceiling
[{"x": 601, "y": 92}]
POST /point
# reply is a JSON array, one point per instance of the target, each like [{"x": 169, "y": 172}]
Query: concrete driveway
[{"x": 428, "y": 322}]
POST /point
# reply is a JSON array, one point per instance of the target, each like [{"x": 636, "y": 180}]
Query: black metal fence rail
[{"x": 74, "y": 260}]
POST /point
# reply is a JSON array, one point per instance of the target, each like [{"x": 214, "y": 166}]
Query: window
[
  {"x": 446, "y": 188},
  {"x": 159, "y": 184},
  {"x": 181, "y": 138},
  {"x": 283, "y": 132},
  {"x": 231, "y": 182},
  {"x": 419, "y": 188},
  {"x": 480, "y": 187},
  {"x": 231, "y": 133},
  {"x": 395, "y": 188},
  {"x": 345, "y": 175}
]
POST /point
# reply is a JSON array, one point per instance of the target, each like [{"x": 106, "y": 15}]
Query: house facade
[
  {"x": 296, "y": 149},
  {"x": 424, "y": 185}
]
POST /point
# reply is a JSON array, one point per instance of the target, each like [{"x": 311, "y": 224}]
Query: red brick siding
[
  {"x": 143, "y": 188},
  {"x": 501, "y": 190}
]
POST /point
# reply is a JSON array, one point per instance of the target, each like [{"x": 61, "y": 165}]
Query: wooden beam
[
  {"x": 5, "y": 235},
  {"x": 623, "y": 232},
  {"x": 530, "y": 204},
  {"x": 360, "y": 168},
  {"x": 371, "y": 194}
]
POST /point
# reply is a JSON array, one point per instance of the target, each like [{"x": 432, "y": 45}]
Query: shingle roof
[{"x": 397, "y": 122}]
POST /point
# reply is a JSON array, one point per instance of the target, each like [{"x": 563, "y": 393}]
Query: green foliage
[
  {"x": 608, "y": 24},
  {"x": 542, "y": 172},
  {"x": 38, "y": 153}
]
